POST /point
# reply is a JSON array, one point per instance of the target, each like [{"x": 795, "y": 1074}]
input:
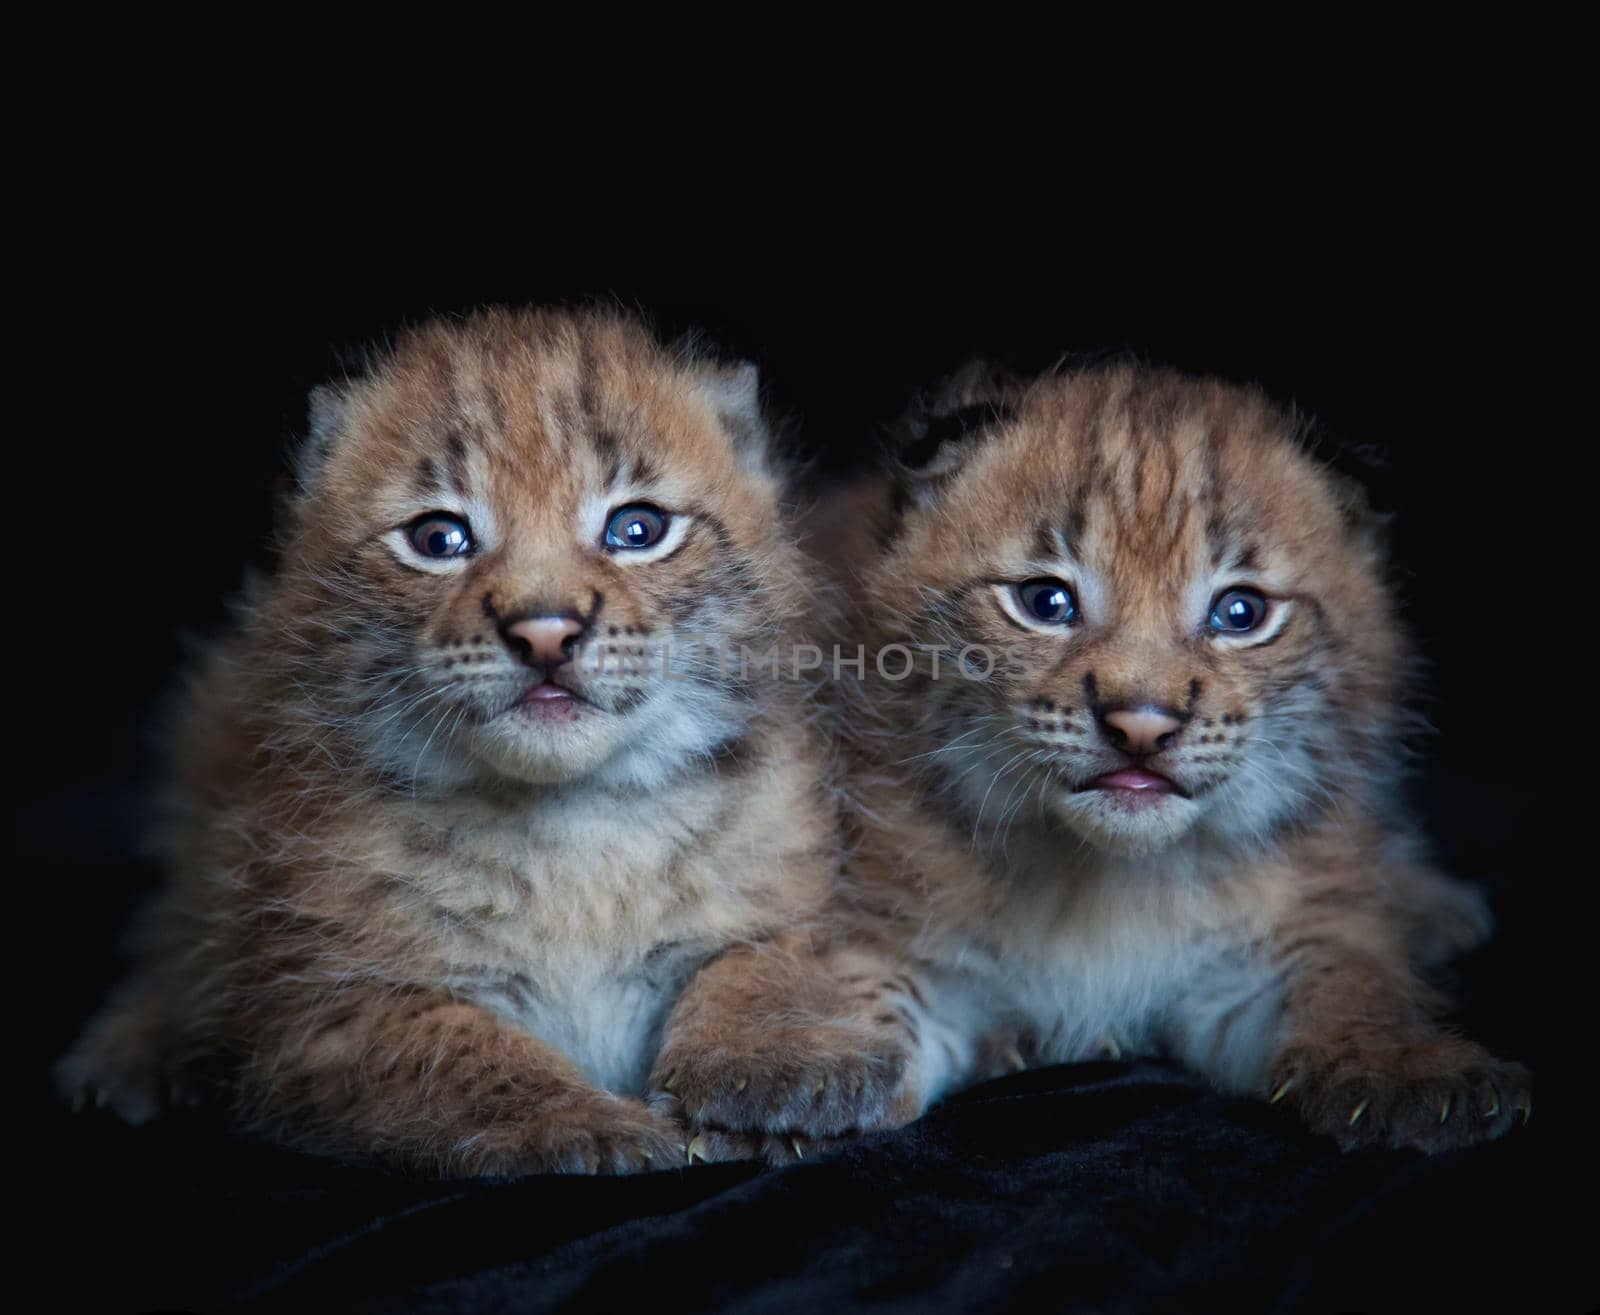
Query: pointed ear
[
  {"x": 1353, "y": 469},
  {"x": 327, "y": 409},
  {"x": 1362, "y": 521},
  {"x": 944, "y": 429},
  {"x": 735, "y": 394}
]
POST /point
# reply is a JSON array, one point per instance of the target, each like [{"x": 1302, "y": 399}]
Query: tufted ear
[
  {"x": 1362, "y": 521},
  {"x": 327, "y": 407},
  {"x": 1353, "y": 469},
  {"x": 942, "y": 431},
  {"x": 735, "y": 393}
]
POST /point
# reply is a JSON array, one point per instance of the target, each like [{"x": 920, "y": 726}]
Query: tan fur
[
  {"x": 1271, "y": 928},
  {"x": 405, "y": 920}
]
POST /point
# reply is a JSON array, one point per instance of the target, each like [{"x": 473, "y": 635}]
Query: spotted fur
[
  {"x": 1269, "y": 924},
  {"x": 409, "y": 919}
]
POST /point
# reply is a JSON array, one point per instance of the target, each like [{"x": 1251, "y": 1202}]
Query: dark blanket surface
[{"x": 1100, "y": 1187}]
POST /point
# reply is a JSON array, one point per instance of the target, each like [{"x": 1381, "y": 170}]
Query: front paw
[
  {"x": 1435, "y": 1095},
  {"x": 602, "y": 1134},
  {"x": 813, "y": 1082},
  {"x": 716, "y": 1145},
  {"x": 120, "y": 1068}
]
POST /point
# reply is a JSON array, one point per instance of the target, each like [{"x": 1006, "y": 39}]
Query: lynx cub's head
[
  {"x": 1184, "y": 612},
  {"x": 507, "y": 528}
]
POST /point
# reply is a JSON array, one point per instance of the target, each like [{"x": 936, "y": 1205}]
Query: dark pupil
[
  {"x": 1050, "y": 603},
  {"x": 636, "y": 532},
  {"x": 442, "y": 542},
  {"x": 1241, "y": 613}
]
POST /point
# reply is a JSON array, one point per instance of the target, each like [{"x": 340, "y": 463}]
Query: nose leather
[
  {"x": 1141, "y": 730},
  {"x": 546, "y": 639}
]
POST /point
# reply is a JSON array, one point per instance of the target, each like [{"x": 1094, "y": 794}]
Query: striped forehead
[
  {"x": 1142, "y": 497},
  {"x": 534, "y": 428}
]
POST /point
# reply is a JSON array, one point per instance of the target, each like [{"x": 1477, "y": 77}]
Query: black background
[{"x": 184, "y": 350}]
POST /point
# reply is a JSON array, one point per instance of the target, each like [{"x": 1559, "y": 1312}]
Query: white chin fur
[
  {"x": 1109, "y": 824},
  {"x": 516, "y": 746},
  {"x": 639, "y": 749}
]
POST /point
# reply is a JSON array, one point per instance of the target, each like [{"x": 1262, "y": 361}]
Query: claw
[
  {"x": 1444, "y": 1110},
  {"x": 1112, "y": 1048},
  {"x": 798, "y": 1153},
  {"x": 697, "y": 1147},
  {"x": 741, "y": 1084},
  {"x": 1282, "y": 1091},
  {"x": 644, "y": 1151},
  {"x": 1490, "y": 1113},
  {"x": 821, "y": 1086},
  {"x": 1013, "y": 1056},
  {"x": 1527, "y": 1112},
  {"x": 666, "y": 1084},
  {"x": 1355, "y": 1115}
]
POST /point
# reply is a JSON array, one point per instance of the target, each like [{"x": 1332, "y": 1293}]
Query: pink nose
[
  {"x": 1141, "y": 730},
  {"x": 544, "y": 639}
]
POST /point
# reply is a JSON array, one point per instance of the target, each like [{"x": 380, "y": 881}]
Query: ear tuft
[
  {"x": 944, "y": 428},
  {"x": 1353, "y": 469}
]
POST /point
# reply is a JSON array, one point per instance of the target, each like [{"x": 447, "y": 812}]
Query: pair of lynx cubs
[{"x": 487, "y": 863}]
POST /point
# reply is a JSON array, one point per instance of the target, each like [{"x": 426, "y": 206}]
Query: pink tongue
[
  {"x": 547, "y": 691},
  {"x": 1132, "y": 778}
]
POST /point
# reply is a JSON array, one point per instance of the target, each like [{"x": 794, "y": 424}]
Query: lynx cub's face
[
  {"x": 507, "y": 528},
  {"x": 1194, "y": 634}
]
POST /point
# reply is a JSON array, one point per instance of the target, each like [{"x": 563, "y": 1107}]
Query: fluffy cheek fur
[
  {"x": 1025, "y": 739},
  {"x": 661, "y": 724},
  {"x": 434, "y": 701},
  {"x": 1006, "y": 769}
]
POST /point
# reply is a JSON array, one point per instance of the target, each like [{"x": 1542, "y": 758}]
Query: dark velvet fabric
[{"x": 1100, "y": 1187}]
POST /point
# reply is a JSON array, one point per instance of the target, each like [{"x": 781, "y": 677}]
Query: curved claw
[
  {"x": 697, "y": 1147},
  {"x": 798, "y": 1153},
  {"x": 1444, "y": 1110},
  {"x": 1355, "y": 1114},
  {"x": 1282, "y": 1091}
]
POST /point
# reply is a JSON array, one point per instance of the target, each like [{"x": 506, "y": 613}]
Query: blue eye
[
  {"x": 635, "y": 526},
  {"x": 1049, "y": 601},
  {"x": 1238, "y": 611},
  {"x": 436, "y": 535}
]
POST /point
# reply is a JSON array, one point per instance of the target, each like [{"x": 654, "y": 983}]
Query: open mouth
[
  {"x": 549, "y": 697},
  {"x": 1135, "y": 781}
]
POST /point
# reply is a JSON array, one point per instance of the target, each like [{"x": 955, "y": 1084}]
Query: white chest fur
[
  {"x": 580, "y": 923},
  {"x": 1135, "y": 962},
  {"x": 606, "y": 1019}
]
